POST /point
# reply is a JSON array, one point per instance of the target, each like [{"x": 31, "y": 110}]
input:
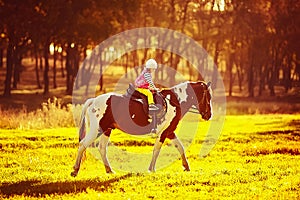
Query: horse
[{"x": 130, "y": 114}]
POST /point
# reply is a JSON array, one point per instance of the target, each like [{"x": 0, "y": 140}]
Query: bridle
[
  {"x": 194, "y": 109},
  {"x": 204, "y": 101}
]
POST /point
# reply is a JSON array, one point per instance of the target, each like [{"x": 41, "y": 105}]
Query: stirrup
[
  {"x": 153, "y": 131},
  {"x": 153, "y": 107}
]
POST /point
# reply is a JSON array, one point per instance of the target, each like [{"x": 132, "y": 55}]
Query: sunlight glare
[
  {"x": 59, "y": 49},
  {"x": 111, "y": 49},
  {"x": 88, "y": 52},
  {"x": 51, "y": 48},
  {"x": 219, "y": 5}
]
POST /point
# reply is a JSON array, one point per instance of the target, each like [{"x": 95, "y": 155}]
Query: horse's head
[{"x": 203, "y": 98}]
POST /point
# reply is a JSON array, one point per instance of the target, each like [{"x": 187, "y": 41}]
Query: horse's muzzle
[{"x": 206, "y": 116}]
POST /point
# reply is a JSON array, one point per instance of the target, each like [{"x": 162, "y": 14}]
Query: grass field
[{"x": 256, "y": 157}]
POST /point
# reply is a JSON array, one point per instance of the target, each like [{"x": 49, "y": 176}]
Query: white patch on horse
[
  {"x": 99, "y": 106},
  {"x": 140, "y": 100},
  {"x": 181, "y": 92},
  {"x": 171, "y": 113}
]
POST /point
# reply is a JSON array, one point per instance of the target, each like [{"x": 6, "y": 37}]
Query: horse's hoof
[
  {"x": 151, "y": 170},
  {"x": 74, "y": 174},
  {"x": 110, "y": 172},
  {"x": 153, "y": 131},
  {"x": 187, "y": 169}
]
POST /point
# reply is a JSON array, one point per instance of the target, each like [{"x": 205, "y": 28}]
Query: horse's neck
[{"x": 179, "y": 97}]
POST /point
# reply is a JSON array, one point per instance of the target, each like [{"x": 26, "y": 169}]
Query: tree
[
  {"x": 261, "y": 49},
  {"x": 15, "y": 17}
]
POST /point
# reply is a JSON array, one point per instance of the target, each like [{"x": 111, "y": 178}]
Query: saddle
[
  {"x": 157, "y": 115},
  {"x": 135, "y": 95}
]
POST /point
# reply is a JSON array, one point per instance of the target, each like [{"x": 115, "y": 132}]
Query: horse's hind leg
[
  {"x": 76, "y": 167},
  {"x": 87, "y": 141},
  {"x": 104, "y": 139}
]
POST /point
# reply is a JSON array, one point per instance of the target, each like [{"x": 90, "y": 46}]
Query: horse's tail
[{"x": 82, "y": 125}]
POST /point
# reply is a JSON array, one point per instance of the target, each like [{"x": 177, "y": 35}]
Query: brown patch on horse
[
  {"x": 125, "y": 114},
  {"x": 169, "y": 131},
  {"x": 171, "y": 136},
  {"x": 107, "y": 121}
]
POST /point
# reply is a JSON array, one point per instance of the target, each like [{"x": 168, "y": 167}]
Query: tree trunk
[
  {"x": 271, "y": 81},
  {"x": 9, "y": 70},
  {"x": 37, "y": 74},
  {"x": 62, "y": 64},
  {"x": 262, "y": 80},
  {"x": 174, "y": 60},
  {"x": 1, "y": 57},
  {"x": 159, "y": 74},
  {"x": 215, "y": 69},
  {"x": 41, "y": 63},
  {"x": 135, "y": 62},
  {"x": 239, "y": 68},
  {"x": 17, "y": 68},
  {"x": 68, "y": 68},
  {"x": 125, "y": 65},
  {"x": 46, "y": 70},
  {"x": 240, "y": 76},
  {"x": 251, "y": 76},
  {"x": 101, "y": 73},
  {"x": 229, "y": 67},
  {"x": 54, "y": 68},
  {"x": 76, "y": 64},
  {"x": 204, "y": 61},
  {"x": 272, "y": 73},
  {"x": 287, "y": 81},
  {"x": 297, "y": 72}
]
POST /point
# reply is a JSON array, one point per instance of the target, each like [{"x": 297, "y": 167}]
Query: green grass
[{"x": 256, "y": 157}]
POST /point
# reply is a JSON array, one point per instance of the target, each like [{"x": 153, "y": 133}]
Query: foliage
[
  {"x": 255, "y": 157},
  {"x": 260, "y": 50},
  {"x": 52, "y": 114}
]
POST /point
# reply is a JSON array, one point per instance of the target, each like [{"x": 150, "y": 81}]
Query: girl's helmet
[{"x": 151, "y": 64}]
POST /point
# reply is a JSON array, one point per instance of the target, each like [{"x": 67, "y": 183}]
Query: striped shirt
[{"x": 145, "y": 80}]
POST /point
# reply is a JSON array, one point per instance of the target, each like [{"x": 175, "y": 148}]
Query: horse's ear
[{"x": 208, "y": 84}]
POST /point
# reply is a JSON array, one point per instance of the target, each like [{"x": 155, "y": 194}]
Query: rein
[{"x": 193, "y": 108}]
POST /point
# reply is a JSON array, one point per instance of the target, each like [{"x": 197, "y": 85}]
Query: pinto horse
[{"x": 111, "y": 110}]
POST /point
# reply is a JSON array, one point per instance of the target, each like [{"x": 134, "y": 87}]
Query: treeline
[{"x": 255, "y": 44}]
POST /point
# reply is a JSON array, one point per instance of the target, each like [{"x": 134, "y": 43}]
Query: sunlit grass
[{"x": 255, "y": 157}]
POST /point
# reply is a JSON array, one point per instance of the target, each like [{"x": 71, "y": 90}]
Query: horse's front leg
[
  {"x": 157, "y": 146},
  {"x": 104, "y": 139},
  {"x": 180, "y": 148}
]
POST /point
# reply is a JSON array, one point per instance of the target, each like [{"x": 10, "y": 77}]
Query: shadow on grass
[
  {"x": 295, "y": 123},
  {"x": 37, "y": 188}
]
